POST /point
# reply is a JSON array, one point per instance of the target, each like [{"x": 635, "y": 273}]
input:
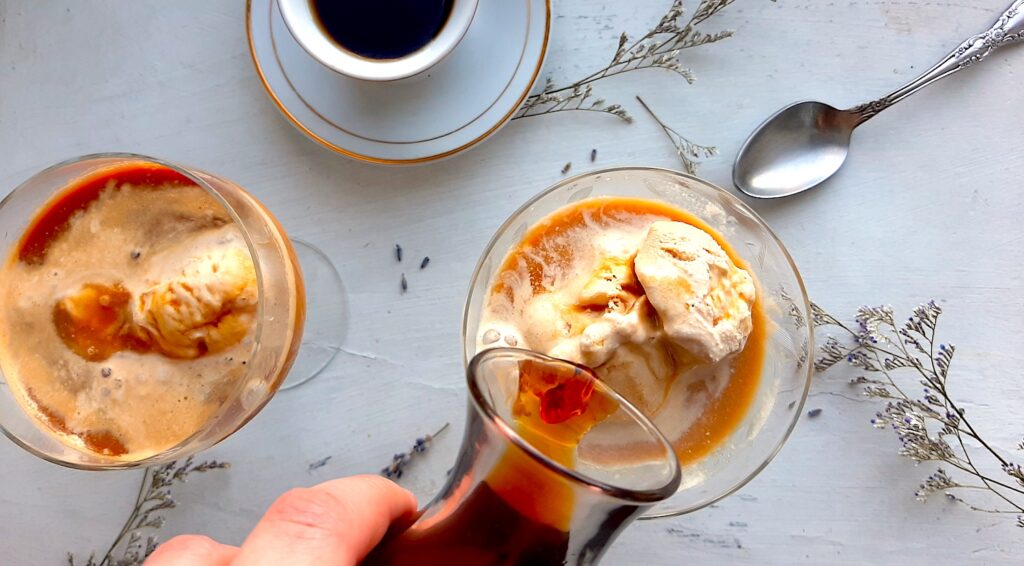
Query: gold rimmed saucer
[{"x": 449, "y": 108}]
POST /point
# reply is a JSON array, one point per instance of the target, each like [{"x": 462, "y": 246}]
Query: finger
[
  {"x": 336, "y": 522},
  {"x": 192, "y": 550}
]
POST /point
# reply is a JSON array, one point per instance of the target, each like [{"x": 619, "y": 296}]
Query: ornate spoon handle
[{"x": 1007, "y": 29}]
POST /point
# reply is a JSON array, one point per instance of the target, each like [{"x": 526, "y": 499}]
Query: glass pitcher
[{"x": 553, "y": 465}]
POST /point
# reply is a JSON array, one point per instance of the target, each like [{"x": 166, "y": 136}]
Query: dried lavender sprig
[
  {"x": 660, "y": 48},
  {"x": 882, "y": 345},
  {"x": 153, "y": 497},
  {"x": 400, "y": 461},
  {"x": 688, "y": 152}
]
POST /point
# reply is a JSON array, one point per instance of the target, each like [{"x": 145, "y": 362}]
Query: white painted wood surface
[{"x": 929, "y": 205}]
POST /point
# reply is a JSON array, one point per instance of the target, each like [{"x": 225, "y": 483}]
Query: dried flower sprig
[
  {"x": 931, "y": 427},
  {"x": 153, "y": 498},
  {"x": 659, "y": 48},
  {"x": 691, "y": 154},
  {"x": 400, "y": 461}
]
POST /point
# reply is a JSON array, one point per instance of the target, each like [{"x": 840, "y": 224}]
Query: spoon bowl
[{"x": 797, "y": 148}]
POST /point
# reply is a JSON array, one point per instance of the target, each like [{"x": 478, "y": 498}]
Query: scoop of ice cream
[
  {"x": 702, "y": 298},
  {"x": 602, "y": 338},
  {"x": 612, "y": 286},
  {"x": 209, "y": 307},
  {"x": 591, "y": 316},
  {"x": 612, "y": 301},
  {"x": 641, "y": 373}
]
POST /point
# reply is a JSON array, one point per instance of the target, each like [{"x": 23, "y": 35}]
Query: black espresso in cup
[{"x": 382, "y": 29}]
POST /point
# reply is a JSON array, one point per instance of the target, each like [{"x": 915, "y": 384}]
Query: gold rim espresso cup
[{"x": 302, "y": 22}]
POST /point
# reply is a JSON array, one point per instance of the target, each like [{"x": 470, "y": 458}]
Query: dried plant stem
[
  {"x": 964, "y": 464},
  {"x": 923, "y": 425},
  {"x": 153, "y": 497},
  {"x": 688, "y": 152},
  {"x": 396, "y": 469},
  {"x": 136, "y": 507},
  {"x": 659, "y": 48}
]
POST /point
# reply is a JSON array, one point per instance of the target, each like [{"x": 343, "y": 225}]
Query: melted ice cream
[
  {"x": 137, "y": 324},
  {"x": 655, "y": 306}
]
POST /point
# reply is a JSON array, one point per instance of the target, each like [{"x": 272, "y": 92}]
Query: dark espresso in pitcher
[{"x": 382, "y": 29}]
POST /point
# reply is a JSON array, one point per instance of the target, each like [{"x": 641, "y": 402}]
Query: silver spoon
[{"x": 805, "y": 143}]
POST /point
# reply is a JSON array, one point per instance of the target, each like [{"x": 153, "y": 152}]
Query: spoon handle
[{"x": 1008, "y": 28}]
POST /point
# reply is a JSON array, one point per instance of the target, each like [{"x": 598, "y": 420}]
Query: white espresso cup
[{"x": 301, "y": 20}]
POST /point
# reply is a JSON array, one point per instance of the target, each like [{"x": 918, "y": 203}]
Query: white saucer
[{"x": 454, "y": 105}]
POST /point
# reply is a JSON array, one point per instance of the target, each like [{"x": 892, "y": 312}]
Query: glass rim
[
  {"x": 162, "y": 456},
  {"x": 802, "y": 299},
  {"x": 638, "y": 496}
]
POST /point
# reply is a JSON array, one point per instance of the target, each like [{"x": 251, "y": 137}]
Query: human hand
[{"x": 334, "y": 523}]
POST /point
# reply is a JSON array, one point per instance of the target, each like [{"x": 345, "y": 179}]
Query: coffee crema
[{"x": 382, "y": 29}]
